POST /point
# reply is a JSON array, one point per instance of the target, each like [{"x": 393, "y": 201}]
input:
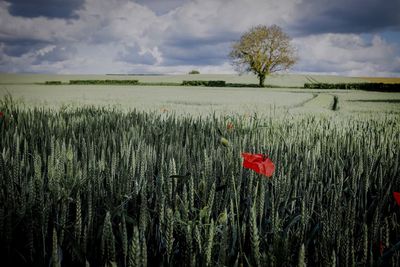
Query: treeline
[
  {"x": 382, "y": 87},
  {"x": 53, "y": 82},
  {"x": 204, "y": 83},
  {"x": 123, "y": 82}
]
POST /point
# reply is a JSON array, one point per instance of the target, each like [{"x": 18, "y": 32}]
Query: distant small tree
[
  {"x": 263, "y": 50},
  {"x": 194, "y": 72}
]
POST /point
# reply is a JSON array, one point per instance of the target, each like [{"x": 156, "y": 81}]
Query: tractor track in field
[
  {"x": 301, "y": 104},
  {"x": 319, "y": 101}
]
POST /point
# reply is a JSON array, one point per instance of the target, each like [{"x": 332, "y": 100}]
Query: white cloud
[
  {"x": 348, "y": 54},
  {"x": 121, "y": 36}
]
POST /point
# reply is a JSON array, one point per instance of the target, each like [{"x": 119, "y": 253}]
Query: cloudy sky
[{"x": 346, "y": 37}]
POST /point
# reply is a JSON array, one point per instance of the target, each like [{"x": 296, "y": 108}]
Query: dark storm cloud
[
  {"x": 213, "y": 49},
  {"x": 55, "y": 54},
  {"x": 322, "y": 66},
  {"x": 36, "y": 52},
  {"x": 191, "y": 41},
  {"x": 131, "y": 55},
  {"x": 46, "y": 8},
  {"x": 161, "y": 7},
  {"x": 347, "y": 16},
  {"x": 17, "y": 48},
  {"x": 201, "y": 55}
]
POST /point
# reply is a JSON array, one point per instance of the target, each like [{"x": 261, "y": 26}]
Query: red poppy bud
[{"x": 396, "y": 196}]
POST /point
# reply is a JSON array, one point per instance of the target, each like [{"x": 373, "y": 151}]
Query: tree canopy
[{"x": 263, "y": 50}]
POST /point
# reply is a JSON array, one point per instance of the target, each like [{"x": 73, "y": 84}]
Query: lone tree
[{"x": 263, "y": 50}]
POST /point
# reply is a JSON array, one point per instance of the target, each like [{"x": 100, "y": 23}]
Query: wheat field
[{"x": 95, "y": 186}]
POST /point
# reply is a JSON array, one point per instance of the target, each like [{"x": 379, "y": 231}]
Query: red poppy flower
[
  {"x": 1, "y": 114},
  {"x": 258, "y": 163},
  {"x": 396, "y": 196},
  {"x": 229, "y": 126}
]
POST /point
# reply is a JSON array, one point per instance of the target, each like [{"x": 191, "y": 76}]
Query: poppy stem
[{"x": 237, "y": 219}]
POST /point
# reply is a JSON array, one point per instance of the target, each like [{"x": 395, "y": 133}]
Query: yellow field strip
[{"x": 382, "y": 79}]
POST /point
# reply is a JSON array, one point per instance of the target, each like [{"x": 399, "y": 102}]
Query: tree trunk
[{"x": 262, "y": 79}]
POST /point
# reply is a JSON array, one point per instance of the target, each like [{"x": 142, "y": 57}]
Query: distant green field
[
  {"x": 289, "y": 80},
  {"x": 199, "y": 100},
  {"x": 180, "y": 100}
]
